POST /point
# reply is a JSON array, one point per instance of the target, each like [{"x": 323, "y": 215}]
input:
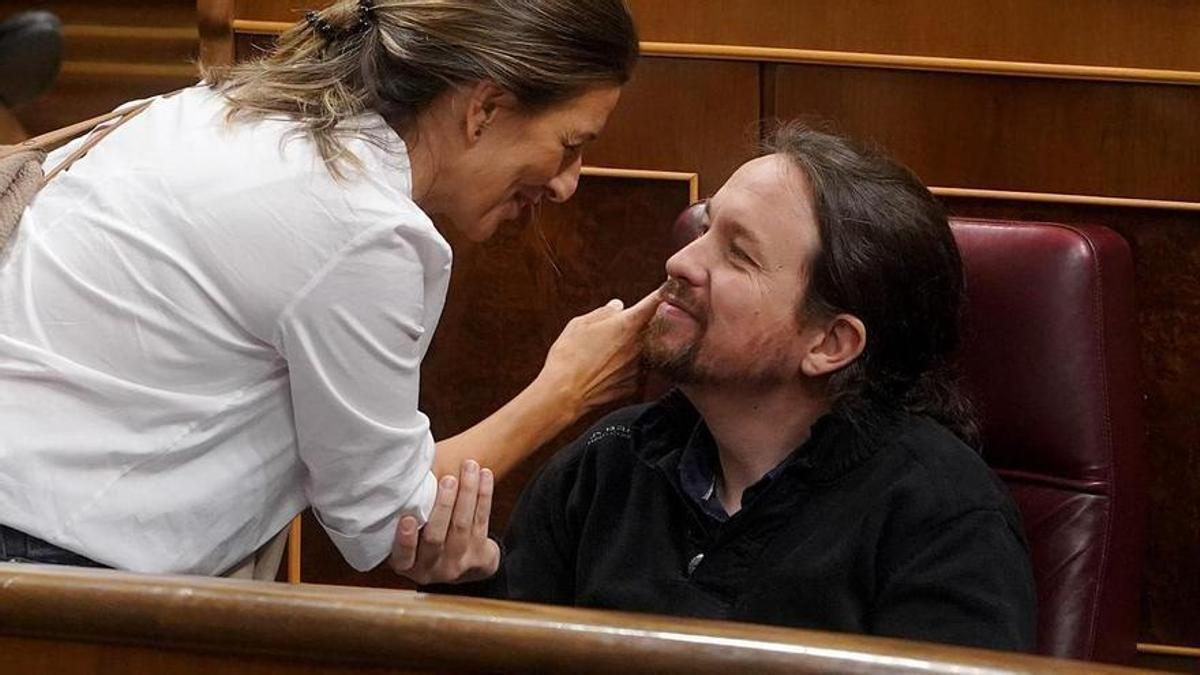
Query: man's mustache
[
  {"x": 671, "y": 288},
  {"x": 674, "y": 290}
]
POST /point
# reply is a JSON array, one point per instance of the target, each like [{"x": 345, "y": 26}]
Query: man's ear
[
  {"x": 484, "y": 100},
  {"x": 840, "y": 342}
]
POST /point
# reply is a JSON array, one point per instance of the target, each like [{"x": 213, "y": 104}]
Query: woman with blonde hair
[{"x": 217, "y": 317}]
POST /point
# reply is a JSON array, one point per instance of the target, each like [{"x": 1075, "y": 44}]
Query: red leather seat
[{"x": 1050, "y": 357}]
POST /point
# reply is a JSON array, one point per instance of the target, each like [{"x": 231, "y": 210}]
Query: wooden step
[
  {"x": 112, "y": 13},
  {"x": 113, "y": 51},
  {"x": 130, "y": 44},
  {"x": 86, "y": 90}
]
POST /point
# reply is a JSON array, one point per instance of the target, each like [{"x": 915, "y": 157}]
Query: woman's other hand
[
  {"x": 454, "y": 546},
  {"x": 595, "y": 358}
]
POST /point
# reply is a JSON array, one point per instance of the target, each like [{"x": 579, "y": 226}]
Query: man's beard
[
  {"x": 679, "y": 364},
  {"x": 768, "y": 364}
]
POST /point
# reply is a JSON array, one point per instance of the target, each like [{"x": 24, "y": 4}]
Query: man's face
[{"x": 730, "y": 314}]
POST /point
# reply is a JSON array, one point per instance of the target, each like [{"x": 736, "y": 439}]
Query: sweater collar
[{"x": 835, "y": 445}]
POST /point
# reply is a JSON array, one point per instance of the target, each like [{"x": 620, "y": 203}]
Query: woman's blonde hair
[{"x": 396, "y": 56}]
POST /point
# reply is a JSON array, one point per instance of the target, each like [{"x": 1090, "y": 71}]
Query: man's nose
[
  {"x": 561, "y": 187},
  {"x": 686, "y": 265}
]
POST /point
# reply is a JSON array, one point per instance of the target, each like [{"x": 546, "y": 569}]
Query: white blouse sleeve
[{"x": 354, "y": 338}]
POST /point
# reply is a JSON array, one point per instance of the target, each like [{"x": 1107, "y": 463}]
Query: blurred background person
[{"x": 31, "y": 49}]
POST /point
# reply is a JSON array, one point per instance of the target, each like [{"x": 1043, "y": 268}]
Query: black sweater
[{"x": 904, "y": 532}]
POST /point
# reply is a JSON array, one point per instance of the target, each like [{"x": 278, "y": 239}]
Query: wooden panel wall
[
  {"x": 1010, "y": 133},
  {"x": 1091, "y": 98},
  {"x": 672, "y": 94},
  {"x": 1149, "y": 34}
]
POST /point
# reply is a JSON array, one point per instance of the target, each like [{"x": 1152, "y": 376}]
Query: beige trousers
[{"x": 263, "y": 564}]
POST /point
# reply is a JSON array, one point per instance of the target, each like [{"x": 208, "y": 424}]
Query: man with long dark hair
[{"x": 814, "y": 467}]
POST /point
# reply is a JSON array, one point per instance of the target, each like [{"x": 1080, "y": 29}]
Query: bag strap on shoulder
[
  {"x": 60, "y": 135},
  {"x": 53, "y": 139}
]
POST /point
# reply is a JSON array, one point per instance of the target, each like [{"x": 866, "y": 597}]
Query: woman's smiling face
[{"x": 520, "y": 158}]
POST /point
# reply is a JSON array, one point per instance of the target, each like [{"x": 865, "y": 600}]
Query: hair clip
[
  {"x": 366, "y": 14},
  {"x": 320, "y": 25}
]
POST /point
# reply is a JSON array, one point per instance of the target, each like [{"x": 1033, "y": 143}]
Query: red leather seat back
[{"x": 1050, "y": 357}]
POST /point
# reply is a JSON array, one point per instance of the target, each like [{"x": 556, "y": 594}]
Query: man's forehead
[{"x": 770, "y": 183}]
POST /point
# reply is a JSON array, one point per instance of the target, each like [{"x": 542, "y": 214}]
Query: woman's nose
[{"x": 561, "y": 187}]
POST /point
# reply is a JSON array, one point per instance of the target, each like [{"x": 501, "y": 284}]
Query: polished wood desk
[{"x": 87, "y": 621}]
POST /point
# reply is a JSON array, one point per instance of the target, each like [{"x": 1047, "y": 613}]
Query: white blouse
[{"x": 202, "y": 332}]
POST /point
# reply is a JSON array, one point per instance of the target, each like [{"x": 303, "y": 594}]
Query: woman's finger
[
  {"x": 483, "y": 506},
  {"x": 641, "y": 312},
  {"x": 610, "y": 308},
  {"x": 464, "y": 503},
  {"x": 491, "y": 559},
  {"x": 434, "y": 532},
  {"x": 404, "y": 549}
]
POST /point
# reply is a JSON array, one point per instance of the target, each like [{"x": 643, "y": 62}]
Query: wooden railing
[{"x": 84, "y": 619}]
